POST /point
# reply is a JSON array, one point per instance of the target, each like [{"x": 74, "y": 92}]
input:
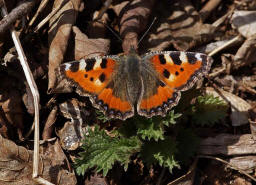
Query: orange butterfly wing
[
  {"x": 169, "y": 72},
  {"x": 94, "y": 78}
]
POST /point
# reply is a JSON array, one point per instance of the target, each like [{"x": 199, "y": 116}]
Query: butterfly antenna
[
  {"x": 146, "y": 32},
  {"x": 110, "y": 29}
]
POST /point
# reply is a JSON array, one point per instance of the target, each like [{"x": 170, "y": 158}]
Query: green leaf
[
  {"x": 161, "y": 152},
  {"x": 171, "y": 118},
  {"x": 102, "y": 151},
  {"x": 209, "y": 110},
  {"x": 153, "y": 128},
  {"x": 149, "y": 129}
]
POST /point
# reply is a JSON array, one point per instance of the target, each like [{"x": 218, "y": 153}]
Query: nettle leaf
[
  {"x": 149, "y": 129},
  {"x": 153, "y": 128},
  {"x": 161, "y": 152},
  {"x": 209, "y": 110},
  {"x": 102, "y": 151},
  {"x": 171, "y": 118}
]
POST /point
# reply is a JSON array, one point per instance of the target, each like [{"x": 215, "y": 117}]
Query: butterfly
[{"x": 125, "y": 85}]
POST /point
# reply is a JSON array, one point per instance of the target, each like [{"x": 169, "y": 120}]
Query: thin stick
[
  {"x": 229, "y": 165},
  {"x": 35, "y": 94},
  {"x": 227, "y": 44},
  {"x": 39, "y": 10},
  {"x": 46, "y": 19},
  {"x": 147, "y": 30}
]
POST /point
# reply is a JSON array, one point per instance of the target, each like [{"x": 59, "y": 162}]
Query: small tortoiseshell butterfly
[{"x": 149, "y": 85}]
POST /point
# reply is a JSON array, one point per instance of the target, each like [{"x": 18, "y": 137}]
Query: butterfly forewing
[
  {"x": 175, "y": 71},
  {"x": 94, "y": 78}
]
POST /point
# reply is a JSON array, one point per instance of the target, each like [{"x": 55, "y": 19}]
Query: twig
[
  {"x": 219, "y": 21},
  {"x": 35, "y": 94},
  {"x": 227, "y": 44},
  {"x": 46, "y": 19},
  {"x": 21, "y": 10},
  {"x": 39, "y": 10},
  {"x": 229, "y": 165},
  {"x": 208, "y": 8}
]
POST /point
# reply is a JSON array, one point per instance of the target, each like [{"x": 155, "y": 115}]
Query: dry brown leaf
[
  {"x": 16, "y": 164},
  {"x": 97, "y": 29},
  {"x": 239, "y": 107},
  {"x": 246, "y": 54},
  {"x": 49, "y": 124},
  {"x": 59, "y": 33},
  {"x": 241, "y": 181},
  {"x": 180, "y": 26},
  {"x": 96, "y": 179},
  {"x": 11, "y": 113},
  {"x": 72, "y": 132},
  {"x": 133, "y": 20},
  {"x": 70, "y": 136},
  {"x": 86, "y": 48}
]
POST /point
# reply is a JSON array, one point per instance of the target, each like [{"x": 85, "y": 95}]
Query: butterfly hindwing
[
  {"x": 168, "y": 73},
  {"x": 94, "y": 78}
]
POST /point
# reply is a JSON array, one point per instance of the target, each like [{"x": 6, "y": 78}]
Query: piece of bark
[
  {"x": 59, "y": 33},
  {"x": 227, "y": 144}
]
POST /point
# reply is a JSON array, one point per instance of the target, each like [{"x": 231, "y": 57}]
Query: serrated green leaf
[
  {"x": 161, "y": 152},
  {"x": 208, "y": 110},
  {"x": 170, "y": 118},
  {"x": 149, "y": 129},
  {"x": 102, "y": 151}
]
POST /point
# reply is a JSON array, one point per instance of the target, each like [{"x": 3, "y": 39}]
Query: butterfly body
[{"x": 122, "y": 86}]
